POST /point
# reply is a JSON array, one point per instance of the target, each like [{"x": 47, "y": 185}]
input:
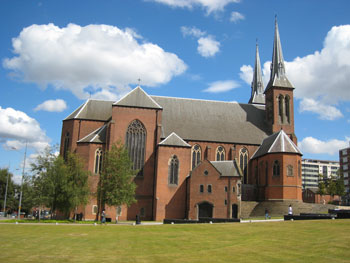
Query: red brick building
[{"x": 196, "y": 157}]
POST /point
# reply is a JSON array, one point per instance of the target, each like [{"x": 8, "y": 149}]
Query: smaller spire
[{"x": 257, "y": 95}]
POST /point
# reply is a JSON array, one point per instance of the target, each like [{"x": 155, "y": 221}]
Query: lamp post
[{"x": 20, "y": 196}]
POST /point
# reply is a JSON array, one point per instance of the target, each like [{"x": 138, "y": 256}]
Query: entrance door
[
  {"x": 234, "y": 211},
  {"x": 205, "y": 210}
]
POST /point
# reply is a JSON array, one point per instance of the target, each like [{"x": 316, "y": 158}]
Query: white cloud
[
  {"x": 321, "y": 76},
  {"x": 246, "y": 73},
  {"x": 221, "y": 86},
  {"x": 57, "y": 105},
  {"x": 236, "y": 16},
  {"x": 315, "y": 146},
  {"x": 208, "y": 46},
  {"x": 16, "y": 128},
  {"x": 209, "y": 5},
  {"x": 325, "y": 112},
  {"x": 192, "y": 31},
  {"x": 96, "y": 57}
]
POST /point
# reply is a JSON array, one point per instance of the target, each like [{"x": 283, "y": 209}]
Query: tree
[
  {"x": 339, "y": 184},
  {"x": 5, "y": 176},
  {"x": 77, "y": 183},
  {"x": 116, "y": 187},
  {"x": 321, "y": 186},
  {"x": 331, "y": 187},
  {"x": 59, "y": 185}
]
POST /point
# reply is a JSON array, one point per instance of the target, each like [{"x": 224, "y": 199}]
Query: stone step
[{"x": 280, "y": 208}]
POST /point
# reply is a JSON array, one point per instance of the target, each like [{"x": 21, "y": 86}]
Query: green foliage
[
  {"x": 321, "y": 186},
  {"x": 10, "y": 200},
  {"x": 331, "y": 187},
  {"x": 116, "y": 187},
  {"x": 57, "y": 184}
]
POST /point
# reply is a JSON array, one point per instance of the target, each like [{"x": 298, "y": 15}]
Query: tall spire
[
  {"x": 257, "y": 95},
  {"x": 278, "y": 71}
]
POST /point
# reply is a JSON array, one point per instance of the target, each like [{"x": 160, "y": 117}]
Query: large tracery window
[
  {"x": 243, "y": 164},
  {"x": 136, "y": 143},
  {"x": 98, "y": 161},
  {"x": 276, "y": 168},
  {"x": 173, "y": 170},
  {"x": 196, "y": 155},
  {"x": 220, "y": 154}
]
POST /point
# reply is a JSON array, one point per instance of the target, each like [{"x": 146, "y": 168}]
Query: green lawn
[{"x": 298, "y": 241}]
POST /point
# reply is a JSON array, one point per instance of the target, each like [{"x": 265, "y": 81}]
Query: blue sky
[{"x": 56, "y": 54}]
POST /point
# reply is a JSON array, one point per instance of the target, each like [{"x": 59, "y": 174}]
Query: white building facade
[{"x": 312, "y": 169}]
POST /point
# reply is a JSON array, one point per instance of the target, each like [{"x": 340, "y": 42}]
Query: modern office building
[
  {"x": 344, "y": 159},
  {"x": 312, "y": 169}
]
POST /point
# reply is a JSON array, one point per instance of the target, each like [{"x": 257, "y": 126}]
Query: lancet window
[
  {"x": 173, "y": 170},
  {"x": 98, "y": 161},
  {"x": 243, "y": 164},
  {"x": 196, "y": 155}
]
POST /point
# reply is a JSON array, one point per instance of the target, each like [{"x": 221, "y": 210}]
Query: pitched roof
[
  {"x": 278, "y": 142},
  {"x": 174, "y": 140},
  {"x": 97, "y": 136},
  {"x": 203, "y": 120},
  {"x": 93, "y": 110},
  {"x": 191, "y": 119},
  {"x": 227, "y": 168},
  {"x": 138, "y": 98}
]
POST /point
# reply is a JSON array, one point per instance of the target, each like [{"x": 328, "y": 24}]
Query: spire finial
[{"x": 139, "y": 81}]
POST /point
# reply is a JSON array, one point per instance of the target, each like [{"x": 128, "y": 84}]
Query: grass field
[{"x": 298, "y": 241}]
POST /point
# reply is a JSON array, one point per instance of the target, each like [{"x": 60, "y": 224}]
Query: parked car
[{"x": 2, "y": 214}]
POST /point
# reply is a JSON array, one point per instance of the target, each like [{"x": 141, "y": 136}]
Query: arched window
[
  {"x": 66, "y": 146},
  {"x": 290, "y": 170},
  {"x": 287, "y": 107},
  {"x": 276, "y": 168},
  {"x": 196, "y": 155},
  {"x": 136, "y": 143},
  {"x": 220, "y": 153},
  {"x": 173, "y": 170},
  {"x": 280, "y": 108},
  {"x": 299, "y": 169},
  {"x": 98, "y": 161},
  {"x": 243, "y": 164}
]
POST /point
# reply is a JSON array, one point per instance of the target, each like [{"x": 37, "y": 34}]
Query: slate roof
[
  {"x": 278, "y": 142},
  {"x": 174, "y": 140},
  {"x": 138, "y": 98},
  {"x": 203, "y": 120},
  {"x": 190, "y": 119},
  {"x": 100, "y": 110},
  {"x": 97, "y": 136},
  {"x": 227, "y": 168}
]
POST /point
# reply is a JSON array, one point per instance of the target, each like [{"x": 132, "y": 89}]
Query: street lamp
[{"x": 20, "y": 196}]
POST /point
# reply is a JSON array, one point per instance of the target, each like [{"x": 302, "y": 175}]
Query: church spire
[
  {"x": 257, "y": 96},
  {"x": 278, "y": 71}
]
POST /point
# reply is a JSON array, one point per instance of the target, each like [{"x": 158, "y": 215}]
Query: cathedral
[{"x": 196, "y": 158}]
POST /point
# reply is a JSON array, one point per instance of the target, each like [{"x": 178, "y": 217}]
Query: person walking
[
  {"x": 290, "y": 210},
  {"x": 103, "y": 217}
]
